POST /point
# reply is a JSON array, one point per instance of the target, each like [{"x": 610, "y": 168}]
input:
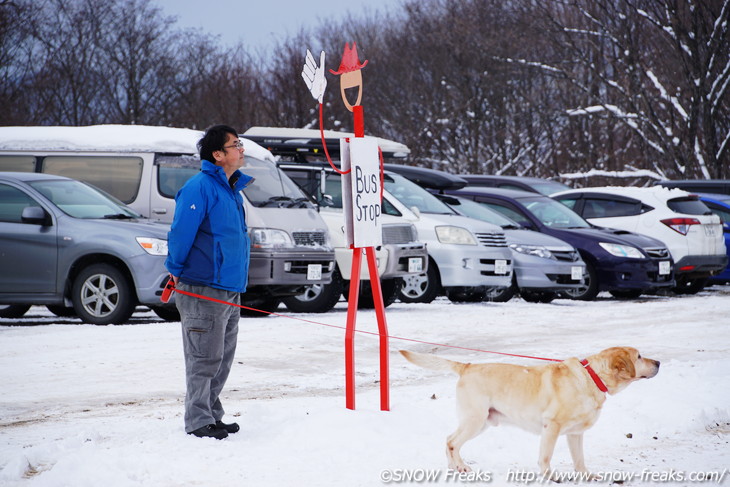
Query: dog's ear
[{"x": 622, "y": 365}]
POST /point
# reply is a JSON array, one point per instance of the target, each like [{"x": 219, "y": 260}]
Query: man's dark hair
[{"x": 214, "y": 139}]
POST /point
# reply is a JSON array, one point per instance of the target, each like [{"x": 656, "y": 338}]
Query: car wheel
[
  {"x": 167, "y": 313},
  {"x": 13, "y": 310},
  {"x": 102, "y": 295},
  {"x": 62, "y": 311},
  {"x": 389, "y": 287},
  {"x": 267, "y": 304},
  {"x": 318, "y": 298},
  {"x": 532, "y": 296},
  {"x": 689, "y": 286},
  {"x": 589, "y": 290},
  {"x": 626, "y": 293},
  {"x": 502, "y": 294},
  {"x": 421, "y": 288}
]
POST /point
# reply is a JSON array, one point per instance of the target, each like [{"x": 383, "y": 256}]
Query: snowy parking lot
[{"x": 86, "y": 405}]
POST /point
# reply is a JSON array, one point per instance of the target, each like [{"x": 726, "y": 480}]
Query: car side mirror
[
  {"x": 327, "y": 200},
  {"x": 35, "y": 215},
  {"x": 322, "y": 181}
]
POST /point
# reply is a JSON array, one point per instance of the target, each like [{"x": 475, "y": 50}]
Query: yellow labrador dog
[{"x": 562, "y": 398}]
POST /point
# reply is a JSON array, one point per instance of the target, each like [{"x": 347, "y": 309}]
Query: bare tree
[
  {"x": 140, "y": 63},
  {"x": 16, "y": 66},
  {"x": 66, "y": 39},
  {"x": 654, "y": 74}
]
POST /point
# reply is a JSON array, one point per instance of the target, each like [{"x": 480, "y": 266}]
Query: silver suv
[{"x": 71, "y": 247}]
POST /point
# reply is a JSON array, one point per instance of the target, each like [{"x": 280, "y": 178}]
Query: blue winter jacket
[{"x": 208, "y": 243}]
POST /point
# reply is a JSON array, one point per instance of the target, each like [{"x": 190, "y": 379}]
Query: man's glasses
[{"x": 237, "y": 145}]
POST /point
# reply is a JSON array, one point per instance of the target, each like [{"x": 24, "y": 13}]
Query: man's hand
[{"x": 314, "y": 76}]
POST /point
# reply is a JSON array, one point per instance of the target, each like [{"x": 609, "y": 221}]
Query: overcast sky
[{"x": 260, "y": 23}]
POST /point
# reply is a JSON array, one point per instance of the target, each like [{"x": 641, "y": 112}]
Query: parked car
[
  {"x": 624, "y": 263},
  {"x": 543, "y": 265},
  {"x": 690, "y": 231},
  {"x": 524, "y": 183},
  {"x": 71, "y": 247},
  {"x": 469, "y": 258},
  {"x": 719, "y": 204},
  {"x": 144, "y": 167},
  {"x": 713, "y": 186},
  {"x": 400, "y": 256}
]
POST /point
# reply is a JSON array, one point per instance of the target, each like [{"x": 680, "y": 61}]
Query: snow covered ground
[{"x": 84, "y": 405}]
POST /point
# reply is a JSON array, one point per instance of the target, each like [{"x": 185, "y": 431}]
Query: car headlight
[
  {"x": 536, "y": 250},
  {"x": 622, "y": 250},
  {"x": 455, "y": 235},
  {"x": 270, "y": 238},
  {"x": 153, "y": 246}
]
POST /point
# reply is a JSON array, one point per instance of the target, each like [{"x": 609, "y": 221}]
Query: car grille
[
  {"x": 658, "y": 252},
  {"x": 397, "y": 234},
  {"x": 566, "y": 255},
  {"x": 309, "y": 239},
  {"x": 493, "y": 263},
  {"x": 492, "y": 239},
  {"x": 302, "y": 266}
]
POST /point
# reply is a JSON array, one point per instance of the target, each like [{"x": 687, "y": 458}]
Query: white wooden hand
[{"x": 314, "y": 76}]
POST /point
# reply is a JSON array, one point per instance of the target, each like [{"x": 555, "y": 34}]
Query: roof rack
[{"x": 304, "y": 144}]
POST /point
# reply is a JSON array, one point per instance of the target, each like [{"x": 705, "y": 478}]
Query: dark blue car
[
  {"x": 623, "y": 263},
  {"x": 719, "y": 204}
]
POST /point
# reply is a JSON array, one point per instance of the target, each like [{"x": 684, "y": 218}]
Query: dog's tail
[{"x": 433, "y": 362}]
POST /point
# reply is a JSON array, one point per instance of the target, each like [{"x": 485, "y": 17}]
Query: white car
[{"x": 687, "y": 227}]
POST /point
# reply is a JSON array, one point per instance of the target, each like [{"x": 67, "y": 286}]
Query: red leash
[{"x": 170, "y": 288}]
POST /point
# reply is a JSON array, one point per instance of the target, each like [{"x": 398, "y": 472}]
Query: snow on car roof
[{"x": 115, "y": 138}]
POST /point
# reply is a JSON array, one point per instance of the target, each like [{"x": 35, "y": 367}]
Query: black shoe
[
  {"x": 210, "y": 431},
  {"x": 229, "y": 428}
]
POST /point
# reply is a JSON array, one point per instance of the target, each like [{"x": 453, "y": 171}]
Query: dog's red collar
[{"x": 599, "y": 383}]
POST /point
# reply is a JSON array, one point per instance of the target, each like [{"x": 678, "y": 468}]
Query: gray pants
[{"x": 210, "y": 332}]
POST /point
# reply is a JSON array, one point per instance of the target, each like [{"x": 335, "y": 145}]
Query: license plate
[
  {"x": 710, "y": 230},
  {"x": 415, "y": 265},
  {"x": 576, "y": 273},
  {"x": 500, "y": 267},
  {"x": 314, "y": 272},
  {"x": 664, "y": 268}
]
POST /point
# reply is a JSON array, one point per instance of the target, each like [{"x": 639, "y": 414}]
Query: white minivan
[{"x": 144, "y": 167}]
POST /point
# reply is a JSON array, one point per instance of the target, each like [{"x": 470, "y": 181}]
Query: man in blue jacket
[{"x": 208, "y": 255}]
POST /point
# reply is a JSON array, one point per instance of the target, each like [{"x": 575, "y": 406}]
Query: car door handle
[{"x": 159, "y": 211}]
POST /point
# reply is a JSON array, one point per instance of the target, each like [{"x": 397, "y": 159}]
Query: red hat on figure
[{"x": 350, "y": 62}]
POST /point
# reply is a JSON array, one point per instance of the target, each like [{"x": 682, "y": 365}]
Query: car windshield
[
  {"x": 554, "y": 214},
  {"x": 81, "y": 200},
  {"x": 411, "y": 194},
  {"x": 271, "y": 187},
  {"x": 481, "y": 212}
]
